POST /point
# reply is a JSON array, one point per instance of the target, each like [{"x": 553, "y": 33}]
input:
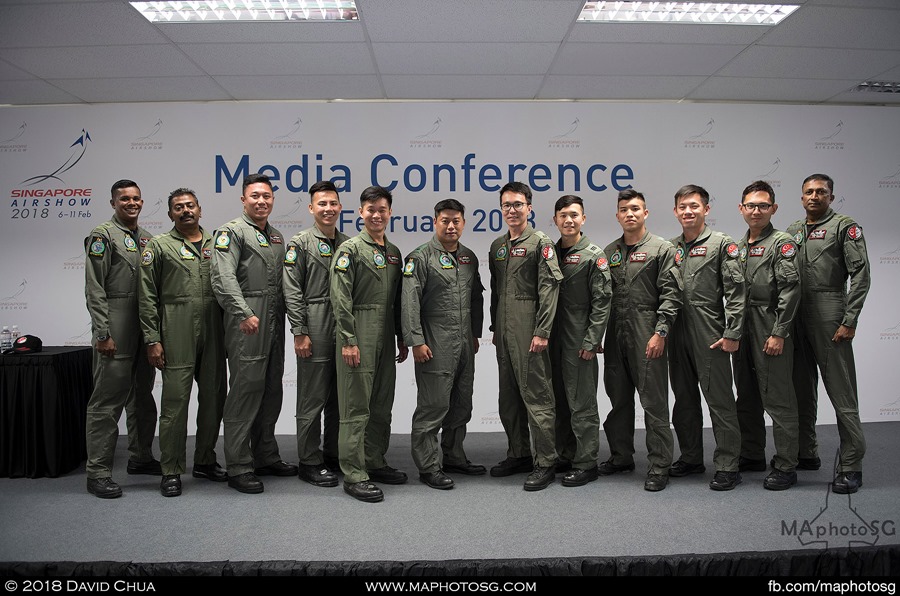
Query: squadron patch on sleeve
[
  {"x": 547, "y": 252},
  {"x": 788, "y": 250},
  {"x": 146, "y": 258},
  {"x": 342, "y": 262},
  {"x": 602, "y": 264},
  {"x": 97, "y": 248},
  {"x": 854, "y": 233},
  {"x": 409, "y": 268},
  {"x": 290, "y": 256},
  {"x": 223, "y": 240}
]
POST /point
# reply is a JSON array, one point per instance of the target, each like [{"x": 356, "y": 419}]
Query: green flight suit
[
  {"x": 246, "y": 278},
  {"x": 177, "y": 308},
  {"x": 365, "y": 296},
  {"x": 710, "y": 272},
  {"x": 443, "y": 308},
  {"x": 581, "y": 317},
  {"x": 646, "y": 298},
  {"x": 525, "y": 278},
  {"x": 124, "y": 381},
  {"x": 773, "y": 296},
  {"x": 307, "y": 263},
  {"x": 832, "y": 250}
]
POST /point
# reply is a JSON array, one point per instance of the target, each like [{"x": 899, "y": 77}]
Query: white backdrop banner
[{"x": 57, "y": 164}]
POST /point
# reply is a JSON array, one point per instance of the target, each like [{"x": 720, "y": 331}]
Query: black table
[{"x": 43, "y": 403}]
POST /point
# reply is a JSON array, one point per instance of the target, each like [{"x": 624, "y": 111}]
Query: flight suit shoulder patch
[
  {"x": 788, "y": 250},
  {"x": 854, "y": 232},
  {"x": 290, "y": 255},
  {"x": 342, "y": 262},
  {"x": 602, "y": 264},
  {"x": 409, "y": 267},
  {"x": 146, "y": 258},
  {"x": 97, "y": 246},
  {"x": 732, "y": 250},
  {"x": 547, "y": 252},
  {"x": 223, "y": 240}
]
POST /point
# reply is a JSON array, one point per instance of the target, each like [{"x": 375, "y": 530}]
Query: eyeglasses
[
  {"x": 762, "y": 207},
  {"x": 517, "y": 206},
  {"x": 822, "y": 192}
]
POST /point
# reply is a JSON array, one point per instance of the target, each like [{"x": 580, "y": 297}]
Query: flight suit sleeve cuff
[
  {"x": 781, "y": 331},
  {"x": 153, "y": 338},
  {"x": 350, "y": 341},
  {"x": 849, "y": 322},
  {"x": 588, "y": 346},
  {"x": 732, "y": 334},
  {"x": 414, "y": 339},
  {"x": 538, "y": 332},
  {"x": 300, "y": 330}
]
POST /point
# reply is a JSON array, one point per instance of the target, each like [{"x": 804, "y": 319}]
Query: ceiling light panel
[
  {"x": 217, "y": 11},
  {"x": 694, "y": 13}
]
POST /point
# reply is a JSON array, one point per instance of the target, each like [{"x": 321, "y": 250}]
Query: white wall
[{"x": 654, "y": 147}]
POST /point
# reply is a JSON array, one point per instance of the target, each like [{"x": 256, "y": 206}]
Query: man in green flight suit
[
  {"x": 766, "y": 356},
  {"x": 705, "y": 334},
  {"x": 182, "y": 325},
  {"x": 646, "y": 299},
  {"x": 443, "y": 314},
  {"x": 581, "y": 317},
  {"x": 525, "y": 278},
  {"x": 307, "y": 265},
  {"x": 832, "y": 250},
  {"x": 123, "y": 379},
  {"x": 247, "y": 268},
  {"x": 365, "y": 296}
]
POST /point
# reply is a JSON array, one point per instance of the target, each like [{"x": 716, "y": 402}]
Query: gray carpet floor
[{"x": 55, "y": 519}]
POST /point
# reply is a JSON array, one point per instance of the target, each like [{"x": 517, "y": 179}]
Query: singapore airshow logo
[
  {"x": 290, "y": 138},
  {"x": 428, "y": 139},
  {"x": 891, "y": 333},
  {"x": 891, "y": 257},
  {"x": 292, "y": 216},
  {"x": 74, "y": 263},
  {"x": 768, "y": 176},
  {"x": 151, "y": 217},
  {"x": 31, "y": 201},
  {"x": 80, "y": 339},
  {"x": 12, "y": 296},
  {"x": 567, "y": 139},
  {"x": 892, "y": 181},
  {"x": 289, "y": 378},
  {"x": 891, "y": 409},
  {"x": 490, "y": 419},
  {"x": 838, "y": 524},
  {"x": 829, "y": 141},
  {"x": 703, "y": 139},
  {"x": 149, "y": 141},
  {"x": 11, "y": 142}
]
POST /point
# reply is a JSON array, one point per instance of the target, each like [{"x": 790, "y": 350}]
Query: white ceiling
[{"x": 92, "y": 51}]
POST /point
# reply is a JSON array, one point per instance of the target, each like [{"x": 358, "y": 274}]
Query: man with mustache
[
  {"x": 182, "y": 325},
  {"x": 832, "y": 250}
]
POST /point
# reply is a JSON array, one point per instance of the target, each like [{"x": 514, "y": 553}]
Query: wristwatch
[
  {"x": 662, "y": 333},
  {"x": 102, "y": 337}
]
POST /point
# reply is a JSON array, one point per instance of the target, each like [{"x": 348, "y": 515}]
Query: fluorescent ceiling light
[
  {"x": 701, "y": 13},
  {"x": 216, "y": 11},
  {"x": 878, "y": 87}
]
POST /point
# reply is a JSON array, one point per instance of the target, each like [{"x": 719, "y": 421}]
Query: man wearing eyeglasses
[
  {"x": 247, "y": 269},
  {"x": 832, "y": 249},
  {"x": 525, "y": 278},
  {"x": 765, "y": 359}
]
